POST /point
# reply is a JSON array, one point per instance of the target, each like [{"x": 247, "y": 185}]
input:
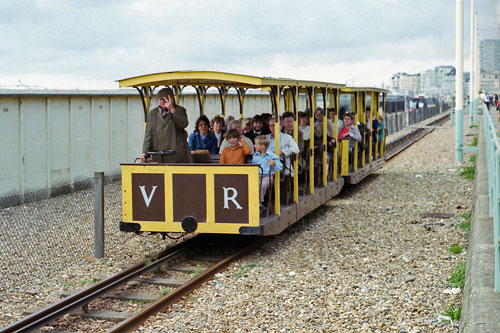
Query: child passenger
[
  {"x": 237, "y": 150},
  {"x": 268, "y": 162}
]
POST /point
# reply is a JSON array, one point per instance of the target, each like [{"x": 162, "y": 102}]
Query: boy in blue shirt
[{"x": 268, "y": 162}]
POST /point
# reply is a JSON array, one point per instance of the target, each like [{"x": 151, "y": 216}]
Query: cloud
[{"x": 108, "y": 40}]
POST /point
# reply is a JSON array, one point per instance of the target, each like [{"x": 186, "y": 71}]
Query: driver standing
[{"x": 165, "y": 130}]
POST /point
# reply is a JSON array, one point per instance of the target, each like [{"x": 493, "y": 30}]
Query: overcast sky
[{"x": 66, "y": 44}]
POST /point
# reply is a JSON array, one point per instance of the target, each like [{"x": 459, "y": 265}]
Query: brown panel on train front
[
  {"x": 148, "y": 197},
  {"x": 231, "y": 199},
  {"x": 190, "y": 197}
]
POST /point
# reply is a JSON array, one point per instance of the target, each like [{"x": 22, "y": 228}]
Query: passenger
[
  {"x": 237, "y": 150},
  {"x": 202, "y": 141},
  {"x": 330, "y": 130},
  {"x": 349, "y": 131},
  {"x": 268, "y": 162},
  {"x": 228, "y": 120},
  {"x": 332, "y": 113},
  {"x": 287, "y": 127},
  {"x": 257, "y": 128},
  {"x": 265, "y": 120},
  {"x": 165, "y": 130},
  {"x": 287, "y": 147},
  {"x": 218, "y": 129},
  {"x": 235, "y": 124},
  {"x": 320, "y": 115},
  {"x": 342, "y": 112},
  {"x": 374, "y": 125},
  {"x": 304, "y": 125},
  {"x": 381, "y": 127},
  {"x": 246, "y": 123}
]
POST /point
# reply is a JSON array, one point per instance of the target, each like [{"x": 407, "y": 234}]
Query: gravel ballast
[{"x": 366, "y": 261}]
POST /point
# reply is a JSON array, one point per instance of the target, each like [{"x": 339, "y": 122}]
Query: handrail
[{"x": 492, "y": 152}]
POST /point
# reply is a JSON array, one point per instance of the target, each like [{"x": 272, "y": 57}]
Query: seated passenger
[
  {"x": 381, "y": 127},
  {"x": 320, "y": 115},
  {"x": 349, "y": 131},
  {"x": 237, "y": 150},
  {"x": 235, "y": 124},
  {"x": 287, "y": 127},
  {"x": 246, "y": 123},
  {"x": 257, "y": 128},
  {"x": 218, "y": 129},
  {"x": 287, "y": 147},
  {"x": 332, "y": 114},
  {"x": 202, "y": 141},
  {"x": 304, "y": 125},
  {"x": 268, "y": 162}
]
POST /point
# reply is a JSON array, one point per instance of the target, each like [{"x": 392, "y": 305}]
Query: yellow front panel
[{"x": 209, "y": 172}]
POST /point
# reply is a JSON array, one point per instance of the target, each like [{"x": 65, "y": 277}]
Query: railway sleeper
[{"x": 163, "y": 282}]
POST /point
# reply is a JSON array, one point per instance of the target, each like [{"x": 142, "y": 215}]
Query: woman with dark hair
[
  {"x": 349, "y": 131},
  {"x": 202, "y": 141}
]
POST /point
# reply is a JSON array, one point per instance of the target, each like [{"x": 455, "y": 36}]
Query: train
[{"x": 208, "y": 197}]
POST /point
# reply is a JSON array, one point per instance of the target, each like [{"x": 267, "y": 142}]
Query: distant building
[
  {"x": 489, "y": 55},
  {"x": 406, "y": 84},
  {"x": 490, "y": 82},
  {"x": 439, "y": 81}
]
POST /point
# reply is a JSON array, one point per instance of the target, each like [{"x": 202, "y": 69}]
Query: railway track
[
  {"x": 154, "y": 284},
  {"x": 399, "y": 145},
  {"x": 159, "y": 282}
]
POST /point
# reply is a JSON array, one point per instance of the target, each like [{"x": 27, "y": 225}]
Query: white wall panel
[
  {"x": 34, "y": 132},
  {"x": 81, "y": 139},
  {"x": 59, "y": 144},
  {"x": 101, "y": 125},
  {"x": 118, "y": 114},
  {"x": 135, "y": 129},
  {"x": 9, "y": 147}
]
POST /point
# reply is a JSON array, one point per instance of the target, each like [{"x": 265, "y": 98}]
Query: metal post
[
  {"x": 99, "y": 214},
  {"x": 459, "y": 84},
  {"x": 477, "y": 72},
  {"x": 472, "y": 97}
]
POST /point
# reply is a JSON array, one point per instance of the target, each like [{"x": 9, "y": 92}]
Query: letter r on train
[{"x": 227, "y": 198}]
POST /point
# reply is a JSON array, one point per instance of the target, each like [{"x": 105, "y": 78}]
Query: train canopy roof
[
  {"x": 216, "y": 79},
  {"x": 358, "y": 89}
]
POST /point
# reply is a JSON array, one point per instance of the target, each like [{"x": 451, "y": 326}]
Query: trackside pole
[
  {"x": 472, "y": 96},
  {"x": 99, "y": 214},
  {"x": 459, "y": 84}
]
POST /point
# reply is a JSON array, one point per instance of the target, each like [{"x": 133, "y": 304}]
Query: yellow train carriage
[
  {"x": 215, "y": 198},
  {"x": 205, "y": 198}
]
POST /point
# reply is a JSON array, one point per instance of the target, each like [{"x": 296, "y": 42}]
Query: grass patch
[
  {"x": 474, "y": 142},
  {"x": 137, "y": 301},
  {"x": 197, "y": 272},
  {"x": 466, "y": 216},
  {"x": 457, "y": 278},
  {"x": 468, "y": 172},
  {"x": 244, "y": 270},
  {"x": 92, "y": 281},
  {"x": 472, "y": 159},
  {"x": 453, "y": 314},
  {"x": 159, "y": 270},
  {"x": 164, "y": 292},
  {"x": 465, "y": 226},
  {"x": 473, "y": 126},
  {"x": 455, "y": 248}
]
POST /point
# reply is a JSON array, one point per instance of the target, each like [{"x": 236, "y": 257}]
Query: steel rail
[
  {"x": 79, "y": 299},
  {"x": 142, "y": 316},
  {"x": 398, "y": 149}
]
